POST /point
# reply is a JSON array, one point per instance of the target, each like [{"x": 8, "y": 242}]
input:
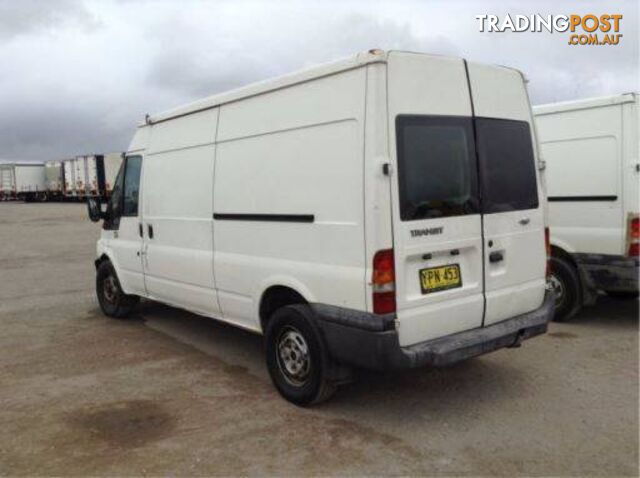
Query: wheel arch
[
  {"x": 562, "y": 253},
  {"x": 279, "y": 293}
]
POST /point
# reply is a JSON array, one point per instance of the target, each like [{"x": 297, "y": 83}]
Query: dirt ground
[{"x": 171, "y": 393}]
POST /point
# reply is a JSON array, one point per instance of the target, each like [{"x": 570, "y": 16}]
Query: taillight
[
  {"x": 384, "y": 282},
  {"x": 547, "y": 247},
  {"x": 633, "y": 236}
]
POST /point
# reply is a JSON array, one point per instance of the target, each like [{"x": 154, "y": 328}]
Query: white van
[
  {"x": 592, "y": 153},
  {"x": 338, "y": 212}
]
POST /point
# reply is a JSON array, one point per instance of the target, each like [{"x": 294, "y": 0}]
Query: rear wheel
[
  {"x": 297, "y": 359},
  {"x": 565, "y": 283},
  {"x": 113, "y": 301}
]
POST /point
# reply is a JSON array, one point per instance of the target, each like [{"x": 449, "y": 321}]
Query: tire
[
  {"x": 113, "y": 301},
  {"x": 567, "y": 287},
  {"x": 622, "y": 295},
  {"x": 296, "y": 356}
]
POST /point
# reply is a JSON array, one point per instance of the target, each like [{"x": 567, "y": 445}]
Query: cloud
[
  {"x": 23, "y": 17},
  {"x": 78, "y": 75}
]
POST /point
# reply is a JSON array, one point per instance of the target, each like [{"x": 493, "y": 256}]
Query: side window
[
  {"x": 507, "y": 165},
  {"x": 437, "y": 170},
  {"x": 131, "y": 185},
  {"x": 125, "y": 193},
  {"x": 114, "y": 206}
]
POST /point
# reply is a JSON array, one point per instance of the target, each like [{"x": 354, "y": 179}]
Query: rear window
[
  {"x": 436, "y": 167},
  {"x": 507, "y": 166}
]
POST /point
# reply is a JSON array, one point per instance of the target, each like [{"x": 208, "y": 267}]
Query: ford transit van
[
  {"x": 591, "y": 149},
  {"x": 384, "y": 211}
]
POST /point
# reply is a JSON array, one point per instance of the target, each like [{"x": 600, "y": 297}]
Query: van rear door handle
[
  {"x": 495, "y": 256},
  {"x": 140, "y": 229},
  {"x": 150, "y": 231},
  {"x": 524, "y": 221}
]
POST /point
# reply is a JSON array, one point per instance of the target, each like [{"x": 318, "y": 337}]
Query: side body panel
[
  {"x": 583, "y": 152},
  {"x": 298, "y": 152},
  {"x": 178, "y": 212}
]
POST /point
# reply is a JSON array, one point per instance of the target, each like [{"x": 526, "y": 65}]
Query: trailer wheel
[
  {"x": 113, "y": 301},
  {"x": 567, "y": 288},
  {"x": 297, "y": 358}
]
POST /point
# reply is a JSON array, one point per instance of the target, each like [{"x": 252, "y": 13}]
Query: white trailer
[
  {"x": 7, "y": 181},
  {"x": 81, "y": 175},
  {"x": 69, "y": 177},
  {"x": 53, "y": 171},
  {"x": 591, "y": 149},
  {"x": 23, "y": 181}
]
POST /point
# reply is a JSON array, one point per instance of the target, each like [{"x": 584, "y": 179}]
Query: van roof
[
  {"x": 371, "y": 56},
  {"x": 356, "y": 61},
  {"x": 585, "y": 103}
]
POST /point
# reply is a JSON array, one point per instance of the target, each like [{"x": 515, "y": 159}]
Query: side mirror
[{"x": 94, "y": 209}]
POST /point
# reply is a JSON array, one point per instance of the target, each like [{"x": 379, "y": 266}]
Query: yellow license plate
[{"x": 435, "y": 279}]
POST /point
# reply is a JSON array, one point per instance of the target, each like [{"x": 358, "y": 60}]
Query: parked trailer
[
  {"x": 90, "y": 175},
  {"x": 54, "y": 179},
  {"x": 69, "y": 178},
  {"x": 82, "y": 176},
  {"x": 25, "y": 181},
  {"x": 7, "y": 182}
]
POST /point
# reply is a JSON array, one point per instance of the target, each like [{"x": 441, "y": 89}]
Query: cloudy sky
[{"x": 77, "y": 75}]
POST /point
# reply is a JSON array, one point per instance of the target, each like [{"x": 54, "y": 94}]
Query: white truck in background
[
  {"x": 54, "y": 181},
  {"x": 69, "y": 178},
  {"x": 591, "y": 151},
  {"x": 22, "y": 180}
]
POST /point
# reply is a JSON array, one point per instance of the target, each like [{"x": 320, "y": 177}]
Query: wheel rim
[
  {"x": 293, "y": 356},
  {"x": 557, "y": 286},
  {"x": 110, "y": 289}
]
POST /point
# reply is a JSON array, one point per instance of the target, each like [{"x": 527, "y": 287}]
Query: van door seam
[
  {"x": 213, "y": 193},
  {"x": 479, "y": 180}
]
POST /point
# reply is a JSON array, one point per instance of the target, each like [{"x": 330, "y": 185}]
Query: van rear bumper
[{"x": 371, "y": 341}]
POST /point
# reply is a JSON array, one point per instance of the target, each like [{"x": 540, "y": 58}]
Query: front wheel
[
  {"x": 566, "y": 286},
  {"x": 113, "y": 301},
  {"x": 296, "y": 356}
]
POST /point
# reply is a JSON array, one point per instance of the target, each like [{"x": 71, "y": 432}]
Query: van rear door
[
  {"x": 437, "y": 236},
  {"x": 512, "y": 200}
]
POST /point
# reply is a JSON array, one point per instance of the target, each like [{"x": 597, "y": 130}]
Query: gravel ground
[{"x": 171, "y": 393}]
